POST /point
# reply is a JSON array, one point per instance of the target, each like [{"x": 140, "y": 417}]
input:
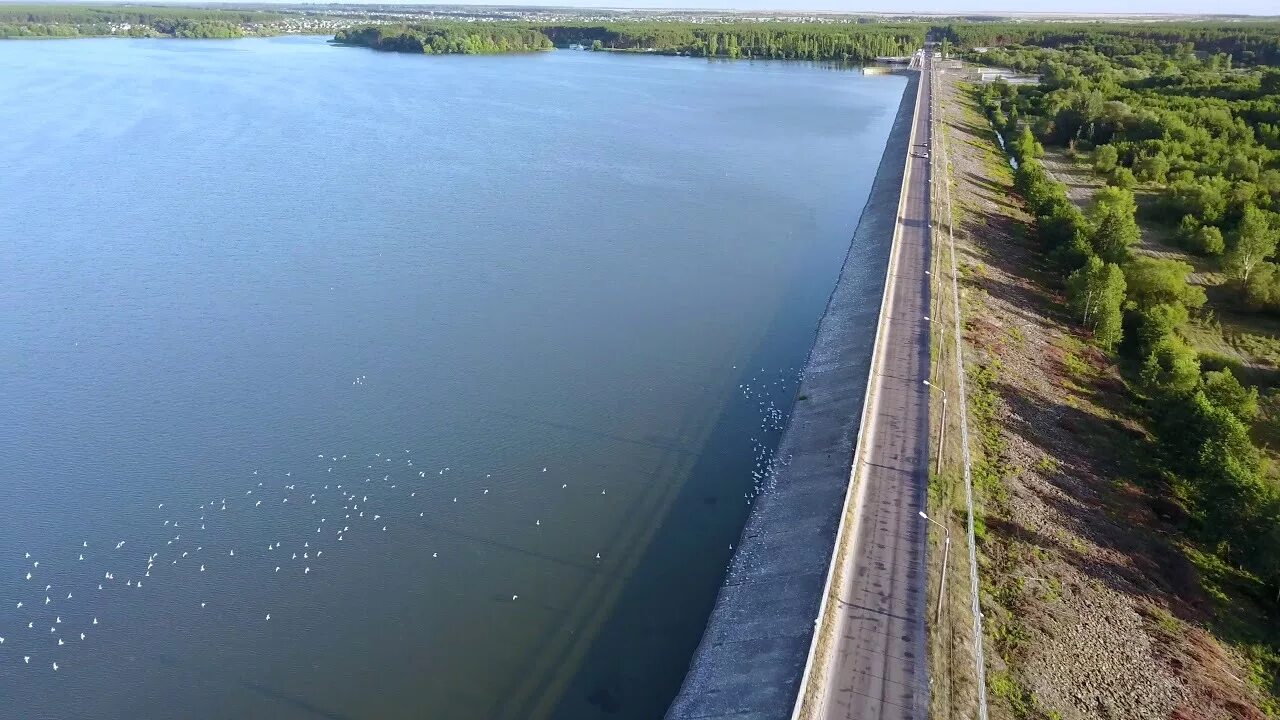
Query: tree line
[
  {"x": 792, "y": 41},
  {"x": 1139, "y": 307},
  {"x": 855, "y": 42},
  {"x": 18, "y": 21},
  {"x": 1247, "y": 41}
]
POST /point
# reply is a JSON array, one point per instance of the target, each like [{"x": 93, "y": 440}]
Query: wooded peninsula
[{"x": 446, "y": 39}]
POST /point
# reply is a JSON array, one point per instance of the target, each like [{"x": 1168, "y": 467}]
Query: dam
[{"x": 821, "y": 611}]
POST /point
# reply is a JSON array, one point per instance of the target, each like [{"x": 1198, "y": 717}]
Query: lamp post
[
  {"x": 942, "y": 434},
  {"x": 946, "y": 553}
]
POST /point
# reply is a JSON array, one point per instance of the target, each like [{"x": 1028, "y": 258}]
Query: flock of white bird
[
  {"x": 766, "y": 389},
  {"x": 53, "y": 613}
]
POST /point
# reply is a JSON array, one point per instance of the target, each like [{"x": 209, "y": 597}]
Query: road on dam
[{"x": 877, "y": 668}]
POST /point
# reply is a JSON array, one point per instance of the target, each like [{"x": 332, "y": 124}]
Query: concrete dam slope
[{"x": 752, "y": 659}]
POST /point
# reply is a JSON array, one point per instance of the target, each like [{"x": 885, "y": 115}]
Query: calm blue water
[{"x": 524, "y": 311}]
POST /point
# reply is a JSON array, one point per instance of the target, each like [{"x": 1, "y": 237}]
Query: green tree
[
  {"x": 1123, "y": 178},
  {"x": 1151, "y": 168},
  {"x": 1171, "y": 369},
  {"x": 1230, "y": 491},
  {"x": 1269, "y": 84},
  {"x": 1155, "y": 281},
  {"x": 1240, "y": 167},
  {"x": 1208, "y": 241},
  {"x": 1262, "y": 291},
  {"x": 1066, "y": 234},
  {"x": 1150, "y": 326},
  {"x": 1025, "y": 146},
  {"x": 1114, "y": 228},
  {"x": 1224, "y": 390},
  {"x": 1254, "y": 243},
  {"x": 1096, "y": 293},
  {"x": 1105, "y": 159}
]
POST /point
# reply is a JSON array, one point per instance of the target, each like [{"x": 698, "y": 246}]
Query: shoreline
[{"x": 757, "y": 640}]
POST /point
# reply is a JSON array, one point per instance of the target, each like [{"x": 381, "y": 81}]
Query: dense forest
[
  {"x": 1183, "y": 122},
  {"x": 446, "y": 38},
  {"x": 851, "y": 42},
  {"x": 18, "y": 21},
  {"x": 1249, "y": 42},
  {"x": 846, "y": 42}
]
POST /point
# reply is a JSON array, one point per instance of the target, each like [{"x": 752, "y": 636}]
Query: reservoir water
[{"x": 384, "y": 386}]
